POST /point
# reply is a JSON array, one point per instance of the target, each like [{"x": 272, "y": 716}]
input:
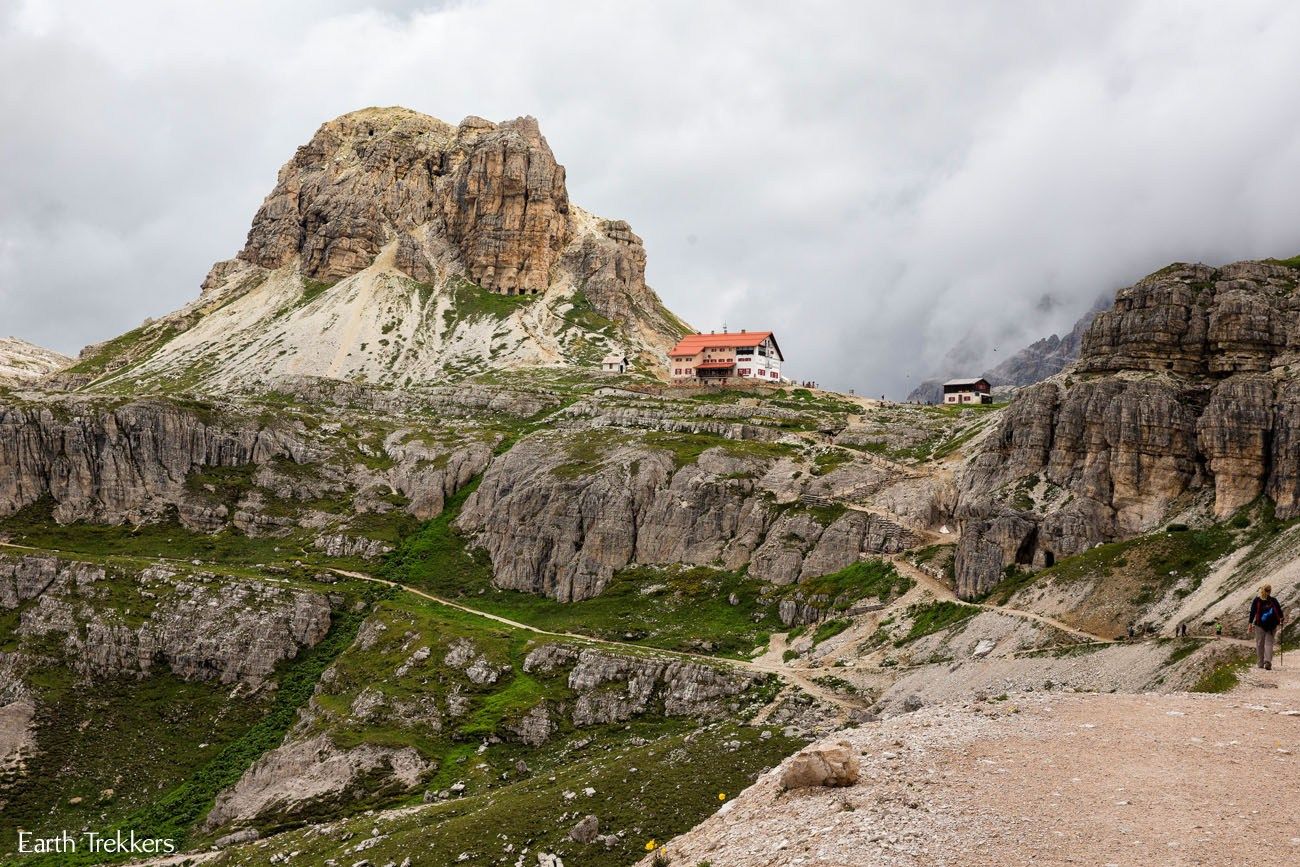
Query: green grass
[
  {"x": 1151, "y": 559},
  {"x": 1185, "y": 648},
  {"x": 866, "y": 579},
  {"x": 675, "y": 784},
  {"x": 686, "y": 448},
  {"x": 935, "y": 617},
  {"x": 830, "y": 628},
  {"x": 1222, "y": 678},
  {"x": 99, "y": 542},
  {"x": 313, "y": 289},
  {"x": 471, "y": 301},
  {"x": 125, "y": 739},
  {"x": 1293, "y": 262},
  {"x": 130, "y": 345}
]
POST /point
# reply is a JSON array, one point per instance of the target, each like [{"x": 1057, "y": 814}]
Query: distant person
[
  {"x": 1265, "y": 620},
  {"x": 1218, "y": 629}
]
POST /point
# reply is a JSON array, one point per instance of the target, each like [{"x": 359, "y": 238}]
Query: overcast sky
[{"x": 877, "y": 182}]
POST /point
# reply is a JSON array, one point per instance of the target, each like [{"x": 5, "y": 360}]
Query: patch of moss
[{"x": 934, "y": 617}]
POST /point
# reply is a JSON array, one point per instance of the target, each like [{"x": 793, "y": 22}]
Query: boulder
[
  {"x": 827, "y": 765},
  {"x": 586, "y": 830}
]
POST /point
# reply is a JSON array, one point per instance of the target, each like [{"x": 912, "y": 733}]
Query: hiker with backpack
[{"x": 1266, "y": 617}]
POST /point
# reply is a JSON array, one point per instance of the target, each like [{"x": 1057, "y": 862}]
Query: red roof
[
  {"x": 714, "y": 365},
  {"x": 693, "y": 343}
]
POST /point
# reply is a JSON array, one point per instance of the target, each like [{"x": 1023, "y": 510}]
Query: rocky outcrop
[
  {"x": 1184, "y": 386},
  {"x": 615, "y": 688},
  {"x": 378, "y": 174},
  {"x": 460, "y": 401},
  {"x": 119, "y": 464},
  {"x": 22, "y": 363},
  {"x": 199, "y": 627},
  {"x": 561, "y": 526},
  {"x": 342, "y": 545},
  {"x": 305, "y": 777},
  {"x": 137, "y": 462},
  {"x": 17, "y": 721}
]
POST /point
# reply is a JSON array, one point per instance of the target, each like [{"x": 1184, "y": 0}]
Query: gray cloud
[{"x": 878, "y": 182}]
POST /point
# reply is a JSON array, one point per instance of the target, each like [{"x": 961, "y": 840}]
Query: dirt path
[
  {"x": 1044, "y": 779},
  {"x": 763, "y": 665},
  {"x": 943, "y": 592}
]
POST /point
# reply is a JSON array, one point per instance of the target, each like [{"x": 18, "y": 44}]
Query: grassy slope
[
  {"x": 653, "y": 791},
  {"x": 135, "y": 746}
]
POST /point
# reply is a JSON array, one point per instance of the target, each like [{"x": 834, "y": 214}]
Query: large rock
[
  {"x": 134, "y": 462},
  {"x": 615, "y": 688},
  {"x": 824, "y": 765},
  {"x": 302, "y": 777},
  {"x": 377, "y": 174},
  {"x": 369, "y": 260}
]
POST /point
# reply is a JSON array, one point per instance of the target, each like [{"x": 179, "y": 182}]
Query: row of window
[{"x": 744, "y": 371}]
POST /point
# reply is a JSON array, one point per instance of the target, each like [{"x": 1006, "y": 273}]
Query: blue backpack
[{"x": 1268, "y": 615}]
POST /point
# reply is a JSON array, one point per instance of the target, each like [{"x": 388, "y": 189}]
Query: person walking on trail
[{"x": 1265, "y": 621}]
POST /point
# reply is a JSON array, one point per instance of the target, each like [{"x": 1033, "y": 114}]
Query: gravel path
[{"x": 1066, "y": 779}]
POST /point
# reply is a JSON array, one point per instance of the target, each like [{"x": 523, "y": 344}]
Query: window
[
  {"x": 744, "y": 371},
  {"x": 677, "y": 372}
]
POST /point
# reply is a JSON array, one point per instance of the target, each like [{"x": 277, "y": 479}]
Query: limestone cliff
[
  {"x": 398, "y": 249},
  {"x": 561, "y": 512},
  {"x": 214, "y": 467},
  {"x": 1184, "y": 391}
]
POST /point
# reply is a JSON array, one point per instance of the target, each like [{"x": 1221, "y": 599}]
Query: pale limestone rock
[{"x": 830, "y": 765}]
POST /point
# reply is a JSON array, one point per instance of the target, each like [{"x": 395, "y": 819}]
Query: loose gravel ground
[{"x": 1043, "y": 779}]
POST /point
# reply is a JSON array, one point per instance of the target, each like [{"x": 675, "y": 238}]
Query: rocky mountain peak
[
  {"x": 375, "y": 259},
  {"x": 492, "y": 192}
]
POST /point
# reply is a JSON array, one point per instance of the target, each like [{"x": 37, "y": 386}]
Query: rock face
[
  {"x": 374, "y": 175},
  {"x": 826, "y": 765},
  {"x": 120, "y": 464},
  {"x": 22, "y": 362},
  {"x": 562, "y": 528},
  {"x": 1184, "y": 386},
  {"x": 375, "y": 257},
  {"x": 198, "y": 627},
  {"x": 293, "y": 779},
  {"x": 1036, "y": 362}
]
